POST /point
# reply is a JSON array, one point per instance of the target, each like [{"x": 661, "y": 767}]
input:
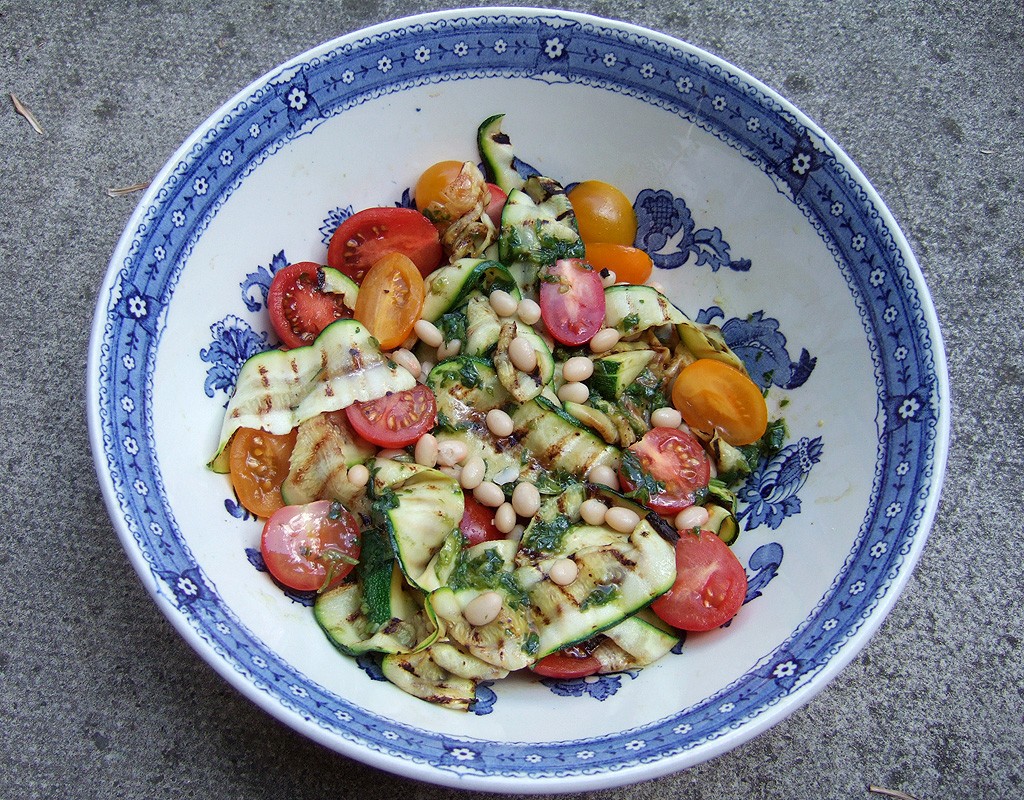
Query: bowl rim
[{"x": 504, "y": 783}]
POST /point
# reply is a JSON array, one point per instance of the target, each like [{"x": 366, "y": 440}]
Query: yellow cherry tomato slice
[
  {"x": 434, "y": 180},
  {"x": 630, "y": 264},
  {"x": 603, "y": 213},
  {"x": 391, "y": 299},
  {"x": 259, "y": 463},
  {"x": 714, "y": 397}
]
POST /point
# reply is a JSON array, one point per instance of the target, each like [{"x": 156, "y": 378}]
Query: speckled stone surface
[{"x": 98, "y": 695}]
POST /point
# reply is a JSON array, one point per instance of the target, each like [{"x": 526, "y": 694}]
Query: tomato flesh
[
  {"x": 710, "y": 584},
  {"x": 363, "y": 239},
  {"x": 477, "y": 523},
  {"x": 497, "y": 203},
  {"x": 259, "y": 462},
  {"x": 630, "y": 264},
  {"x": 397, "y": 419},
  {"x": 603, "y": 213},
  {"x": 674, "y": 458},
  {"x": 309, "y": 547},
  {"x": 572, "y": 301},
  {"x": 390, "y": 299},
  {"x": 566, "y": 666},
  {"x": 714, "y": 397},
  {"x": 299, "y": 308}
]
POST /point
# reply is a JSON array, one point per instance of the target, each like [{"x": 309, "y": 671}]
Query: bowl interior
[{"x": 760, "y": 224}]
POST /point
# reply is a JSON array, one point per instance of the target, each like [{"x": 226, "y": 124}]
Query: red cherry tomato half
[
  {"x": 566, "y": 666},
  {"x": 367, "y": 236},
  {"x": 397, "y": 419},
  {"x": 572, "y": 301},
  {"x": 299, "y": 308},
  {"x": 312, "y": 546},
  {"x": 710, "y": 586},
  {"x": 677, "y": 460},
  {"x": 494, "y": 208},
  {"x": 478, "y": 523}
]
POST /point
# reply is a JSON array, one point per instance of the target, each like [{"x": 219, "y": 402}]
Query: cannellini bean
[
  {"x": 563, "y": 572},
  {"x": 428, "y": 333},
  {"x": 425, "y": 451},
  {"x": 451, "y": 452},
  {"x": 483, "y": 608},
  {"x": 525, "y": 499},
  {"x": 393, "y": 453},
  {"x": 425, "y": 367},
  {"x": 472, "y": 473},
  {"x": 604, "y": 340},
  {"x": 691, "y": 517},
  {"x": 504, "y": 304},
  {"x": 622, "y": 519},
  {"x": 604, "y": 475},
  {"x": 405, "y": 358},
  {"x": 608, "y": 278},
  {"x": 499, "y": 423},
  {"x": 593, "y": 511},
  {"x": 505, "y": 518},
  {"x": 573, "y": 392},
  {"x": 358, "y": 475},
  {"x": 577, "y": 368},
  {"x": 522, "y": 355},
  {"x": 449, "y": 349},
  {"x": 667, "y": 417},
  {"x": 489, "y": 493},
  {"x": 528, "y": 311}
]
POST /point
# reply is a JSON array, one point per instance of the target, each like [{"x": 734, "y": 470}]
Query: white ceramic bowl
[{"x": 760, "y": 223}]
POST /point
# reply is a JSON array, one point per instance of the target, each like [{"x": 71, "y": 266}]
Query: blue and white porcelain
[{"x": 758, "y": 222}]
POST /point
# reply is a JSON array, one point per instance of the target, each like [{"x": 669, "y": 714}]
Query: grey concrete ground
[{"x": 100, "y": 698}]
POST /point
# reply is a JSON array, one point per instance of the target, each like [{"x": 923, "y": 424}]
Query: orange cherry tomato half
[
  {"x": 630, "y": 264},
  {"x": 259, "y": 464},
  {"x": 390, "y": 299},
  {"x": 310, "y": 547},
  {"x": 603, "y": 213},
  {"x": 714, "y": 397},
  {"x": 434, "y": 180},
  {"x": 361, "y": 240},
  {"x": 710, "y": 584},
  {"x": 397, "y": 419}
]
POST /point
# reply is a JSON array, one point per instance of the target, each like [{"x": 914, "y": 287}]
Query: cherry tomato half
[
  {"x": 630, "y": 264},
  {"x": 712, "y": 396},
  {"x": 434, "y": 180},
  {"x": 572, "y": 301},
  {"x": 390, "y": 299},
  {"x": 478, "y": 523},
  {"x": 497, "y": 204},
  {"x": 676, "y": 459},
  {"x": 397, "y": 419},
  {"x": 566, "y": 666},
  {"x": 259, "y": 464},
  {"x": 368, "y": 235},
  {"x": 310, "y": 547},
  {"x": 710, "y": 585},
  {"x": 299, "y": 308},
  {"x": 603, "y": 213}
]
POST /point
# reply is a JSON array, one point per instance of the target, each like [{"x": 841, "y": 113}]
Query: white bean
[
  {"x": 593, "y": 511},
  {"x": 505, "y": 518},
  {"x": 621, "y": 519},
  {"x": 449, "y": 349},
  {"x": 472, "y": 473},
  {"x": 522, "y": 355},
  {"x": 577, "y": 368},
  {"x": 358, "y": 475},
  {"x": 691, "y": 517},
  {"x": 425, "y": 367},
  {"x": 405, "y": 358},
  {"x": 483, "y": 608},
  {"x": 666, "y": 417},
  {"x": 573, "y": 392},
  {"x": 528, "y": 311},
  {"x": 563, "y": 572},
  {"x": 428, "y": 333},
  {"x": 451, "y": 452},
  {"x": 526, "y": 499},
  {"x": 604, "y": 475},
  {"x": 489, "y": 494},
  {"x": 425, "y": 451},
  {"x": 503, "y": 303},
  {"x": 499, "y": 423},
  {"x": 604, "y": 340},
  {"x": 608, "y": 278}
]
